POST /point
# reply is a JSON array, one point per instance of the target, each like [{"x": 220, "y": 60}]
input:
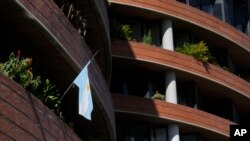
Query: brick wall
[
  {"x": 46, "y": 15},
  {"x": 24, "y": 118}
]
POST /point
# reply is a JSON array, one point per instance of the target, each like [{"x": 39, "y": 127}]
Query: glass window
[
  {"x": 186, "y": 94},
  {"x": 206, "y": 2},
  {"x": 229, "y": 11},
  {"x": 207, "y": 8},
  {"x": 241, "y": 14},
  {"x": 140, "y": 133},
  {"x": 190, "y": 137},
  {"x": 129, "y": 132},
  {"x": 194, "y": 3},
  {"x": 217, "y": 12},
  {"x": 183, "y": 1}
]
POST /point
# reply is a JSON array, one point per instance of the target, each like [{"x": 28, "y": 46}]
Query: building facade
[
  {"x": 199, "y": 101},
  {"x": 143, "y": 89},
  {"x": 60, "y": 36}
]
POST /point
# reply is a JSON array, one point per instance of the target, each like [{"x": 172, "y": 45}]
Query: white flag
[{"x": 85, "y": 103}]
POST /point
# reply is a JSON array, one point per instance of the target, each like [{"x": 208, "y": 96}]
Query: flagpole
[
  {"x": 92, "y": 58},
  {"x": 66, "y": 91}
]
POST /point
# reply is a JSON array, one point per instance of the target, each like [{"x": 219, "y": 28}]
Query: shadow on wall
[{"x": 28, "y": 118}]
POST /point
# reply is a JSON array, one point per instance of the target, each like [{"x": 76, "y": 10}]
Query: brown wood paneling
[
  {"x": 238, "y": 41},
  {"x": 172, "y": 112},
  {"x": 175, "y": 60},
  {"x": 213, "y": 78}
]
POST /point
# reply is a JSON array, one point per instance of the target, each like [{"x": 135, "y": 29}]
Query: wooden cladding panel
[
  {"x": 191, "y": 15},
  {"x": 172, "y": 112},
  {"x": 175, "y": 60}
]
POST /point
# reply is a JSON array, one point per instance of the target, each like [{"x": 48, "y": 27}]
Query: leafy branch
[
  {"x": 121, "y": 31},
  {"x": 147, "y": 38},
  {"x": 199, "y": 51},
  {"x": 20, "y": 70}
]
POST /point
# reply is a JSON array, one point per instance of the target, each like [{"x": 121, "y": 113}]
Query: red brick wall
[{"x": 24, "y": 118}]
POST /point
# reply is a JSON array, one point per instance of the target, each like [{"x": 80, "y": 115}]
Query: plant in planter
[
  {"x": 20, "y": 70},
  {"x": 225, "y": 68},
  {"x": 199, "y": 51},
  {"x": 50, "y": 96},
  {"x": 159, "y": 96},
  {"x": 147, "y": 38},
  {"x": 121, "y": 31}
]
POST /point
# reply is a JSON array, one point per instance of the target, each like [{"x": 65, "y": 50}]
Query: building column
[
  {"x": 170, "y": 78},
  {"x": 171, "y": 92},
  {"x": 167, "y": 35},
  {"x": 173, "y": 132}
]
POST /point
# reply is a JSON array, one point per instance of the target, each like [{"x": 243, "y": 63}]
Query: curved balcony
[
  {"x": 210, "y": 78},
  {"x": 97, "y": 36},
  {"x": 204, "y": 25},
  {"x": 24, "y": 117},
  {"x": 43, "y": 30},
  {"x": 160, "y": 112}
]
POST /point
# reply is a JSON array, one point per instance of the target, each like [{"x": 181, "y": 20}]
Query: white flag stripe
[{"x": 85, "y": 98}]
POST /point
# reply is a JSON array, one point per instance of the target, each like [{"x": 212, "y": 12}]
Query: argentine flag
[{"x": 85, "y": 104}]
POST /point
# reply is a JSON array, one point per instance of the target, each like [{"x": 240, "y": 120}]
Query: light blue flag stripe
[{"x": 85, "y": 104}]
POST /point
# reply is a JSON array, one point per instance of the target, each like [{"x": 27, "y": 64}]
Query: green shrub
[
  {"x": 121, "y": 31},
  {"x": 126, "y": 32},
  {"x": 159, "y": 96},
  {"x": 199, "y": 51},
  {"x": 147, "y": 38},
  {"x": 226, "y": 68},
  {"x": 20, "y": 70},
  {"x": 50, "y": 96}
]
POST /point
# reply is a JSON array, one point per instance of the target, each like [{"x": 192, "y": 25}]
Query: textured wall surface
[
  {"x": 46, "y": 15},
  {"x": 24, "y": 118},
  {"x": 172, "y": 112},
  {"x": 175, "y": 60},
  {"x": 191, "y": 15}
]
